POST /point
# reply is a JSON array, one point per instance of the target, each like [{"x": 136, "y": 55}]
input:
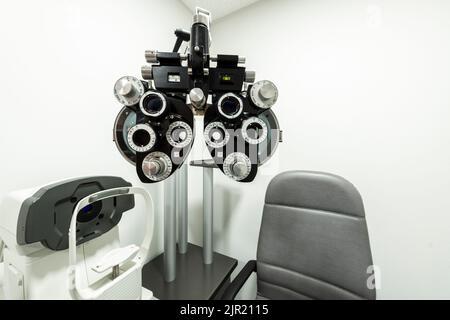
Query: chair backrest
[{"x": 313, "y": 242}]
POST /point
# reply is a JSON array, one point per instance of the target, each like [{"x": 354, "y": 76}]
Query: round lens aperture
[
  {"x": 230, "y": 106},
  {"x": 254, "y": 130},
  {"x": 179, "y": 134},
  {"x": 153, "y": 104},
  {"x": 141, "y": 137},
  {"x": 216, "y": 135},
  {"x": 89, "y": 212}
]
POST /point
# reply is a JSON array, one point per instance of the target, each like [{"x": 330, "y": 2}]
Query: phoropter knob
[
  {"x": 197, "y": 98},
  {"x": 151, "y": 56},
  {"x": 237, "y": 166},
  {"x": 263, "y": 94},
  {"x": 157, "y": 166},
  {"x": 128, "y": 90},
  {"x": 250, "y": 76},
  {"x": 147, "y": 72}
]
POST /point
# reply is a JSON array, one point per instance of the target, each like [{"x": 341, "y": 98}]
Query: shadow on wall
[{"x": 225, "y": 207}]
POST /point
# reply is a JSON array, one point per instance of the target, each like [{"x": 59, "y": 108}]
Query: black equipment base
[{"x": 194, "y": 280}]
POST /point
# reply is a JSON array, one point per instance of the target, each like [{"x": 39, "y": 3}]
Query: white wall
[
  {"x": 364, "y": 93},
  {"x": 59, "y": 60}
]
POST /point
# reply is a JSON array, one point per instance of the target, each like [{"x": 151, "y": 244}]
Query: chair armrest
[{"x": 239, "y": 281}]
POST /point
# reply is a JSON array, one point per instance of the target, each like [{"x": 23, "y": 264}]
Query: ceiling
[{"x": 218, "y": 8}]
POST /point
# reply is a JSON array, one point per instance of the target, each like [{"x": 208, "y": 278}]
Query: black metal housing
[{"x": 45, "y": 217}]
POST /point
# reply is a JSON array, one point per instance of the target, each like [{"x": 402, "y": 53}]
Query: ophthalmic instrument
[{"x": 154, "y": 131}]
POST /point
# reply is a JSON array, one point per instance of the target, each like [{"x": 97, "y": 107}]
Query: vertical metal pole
[
  {"x": 170, "y": 228},
  {"x": 208, "y": 215},
  {"x": 182, "y": 207}
]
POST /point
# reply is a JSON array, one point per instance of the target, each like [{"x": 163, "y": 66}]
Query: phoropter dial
[
  {"x": 153, "y": 104},
  {"x": 254, "y": 130},
  {"x": 157, "y": 166},
  {"x": 141, "y": 138},
  {"x": 179, "y": 134},
  {"x": 237, "y": 166},
  {"x": 230, "y": 105},
  {"x": 128, "y": 90},
  {"x": 263, "y": 94},
  {"x": 216, "y": 135}
]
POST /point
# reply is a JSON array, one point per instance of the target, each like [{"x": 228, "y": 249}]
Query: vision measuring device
[
  {"x": 67, "y": 232},
  {"x": 155, "y": 128}
]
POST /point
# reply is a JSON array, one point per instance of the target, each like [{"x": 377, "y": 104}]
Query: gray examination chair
[{"x": 313, "y": 242}]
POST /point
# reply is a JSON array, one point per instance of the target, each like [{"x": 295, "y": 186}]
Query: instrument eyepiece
[
  {"x": 153, "y": 104},
  {"x": 230, "y": 106}
]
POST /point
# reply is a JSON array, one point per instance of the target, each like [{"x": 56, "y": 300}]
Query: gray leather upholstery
[{"x": 313, "y": 242}]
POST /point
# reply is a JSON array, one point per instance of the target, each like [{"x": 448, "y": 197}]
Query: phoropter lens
[
  {"x": 254, "y": 130},
  {"x": 179, "y": 134},
  {"x": 230, "y": 106},
  {"x": 153, "y": 104},
  {"x": 216, "y": 135},
  {"x": 141, "y": 138}
]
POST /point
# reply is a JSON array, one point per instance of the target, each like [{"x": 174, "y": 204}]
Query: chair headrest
[{"x": 315, "y": 190}]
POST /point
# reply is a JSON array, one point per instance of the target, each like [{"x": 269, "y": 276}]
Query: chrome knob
[
  {"x": 153, "y": 167},
  {"x": 147, "y": 72},
  {"x": 250, "y": 76},
  {"x": 128, "y": 90},
  {"x": 263, "y": 94},
  {"x": 241, "y": 60},
  {"x": 197, "y": 97},
  {"x": 151, "y": 56},
  {"x": 157, "y": 166},
  {"x": 239, "y": 168},
  {"x": 124, "y": 88},
  {"x": 268, "y": 91}
]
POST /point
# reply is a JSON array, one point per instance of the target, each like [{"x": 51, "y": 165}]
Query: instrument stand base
[{"x": 194, "y": 280}]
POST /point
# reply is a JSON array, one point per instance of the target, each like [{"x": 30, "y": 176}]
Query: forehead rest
[{"x": 45, "y": 216}]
